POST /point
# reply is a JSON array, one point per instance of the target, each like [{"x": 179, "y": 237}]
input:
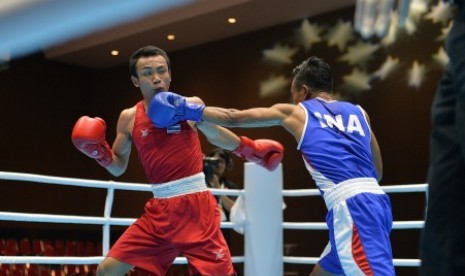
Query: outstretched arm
[
  {"x": 264, "y": 152},
  {"x": 168, "y": 108}
]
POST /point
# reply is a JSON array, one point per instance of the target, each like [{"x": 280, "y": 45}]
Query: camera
[{"x": 209, "y": 164}]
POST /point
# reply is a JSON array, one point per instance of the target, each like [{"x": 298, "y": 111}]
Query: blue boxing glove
[{"x": 168, "y": 108}]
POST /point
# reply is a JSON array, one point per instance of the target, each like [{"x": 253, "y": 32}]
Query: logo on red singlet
[
  {"x": 144, "y": 132},
  {"x": 219, "y": 254}
]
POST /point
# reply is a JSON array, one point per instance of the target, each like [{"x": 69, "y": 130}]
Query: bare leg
[
  {"x": 110, "y": 266},
  {"x": 319, "y": 271}
]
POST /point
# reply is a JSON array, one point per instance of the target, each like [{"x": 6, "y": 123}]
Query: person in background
[{"x": 220, "y": 162}]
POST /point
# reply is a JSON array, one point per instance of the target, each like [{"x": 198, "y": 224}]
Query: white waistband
[
  {"x": 188, "y": 185},
  {"x": 349, "y": 188}
]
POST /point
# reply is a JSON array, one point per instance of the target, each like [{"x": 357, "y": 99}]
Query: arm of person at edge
[
  {"x": 121, "y": 148},
  {"x": 289, "y": 116}
]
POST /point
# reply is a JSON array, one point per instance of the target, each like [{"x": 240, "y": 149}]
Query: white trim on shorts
[
  {"x": 187, "y": 185},
  {"x": 349, "y": 188}
]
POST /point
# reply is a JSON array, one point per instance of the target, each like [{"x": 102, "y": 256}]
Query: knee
[
  {"x": 112, "y": 267},
  {"x": 102, "y": 269},
  {"x": 106, "y": 268}
]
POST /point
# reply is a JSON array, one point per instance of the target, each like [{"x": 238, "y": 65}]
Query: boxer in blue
[{"x": 339, "y": 150}]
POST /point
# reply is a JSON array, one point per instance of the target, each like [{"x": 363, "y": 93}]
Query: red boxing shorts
[{"x": 182, "y": 218}]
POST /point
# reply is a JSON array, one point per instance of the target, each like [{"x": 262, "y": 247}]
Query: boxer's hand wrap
[
  {"x": 168, "y": 108},
  {"x": 89, "y": 137},
  {"x": 264, "y": 152}
]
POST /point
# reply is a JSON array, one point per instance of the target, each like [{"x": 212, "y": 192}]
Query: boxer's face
[{"x": 153, "y": 75}]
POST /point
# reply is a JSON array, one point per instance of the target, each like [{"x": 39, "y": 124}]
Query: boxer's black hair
[
  {"x": 146, "y": 51},
  {"x": 315, "y": 73}
]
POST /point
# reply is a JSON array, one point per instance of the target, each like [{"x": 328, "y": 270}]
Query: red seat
[
  {"x": 2, "y": 247},
  {"x": 17, "y": 269},
  {"x": 80, "y": 249},
  {"x": 99, "y": 249},
  {"x": 71, "y": 248},
  {"x": 59, "y": 248},
  {"x": 49, "y": 249},
  {"x": 11, "y": 247},
  {"x": 25, "y": 248},
  {"x": 32, "y": 270},
  {"x": 70, "y": 269},
  {"x": 3, "y": 270},
  {"x": 91, "y": 248}
]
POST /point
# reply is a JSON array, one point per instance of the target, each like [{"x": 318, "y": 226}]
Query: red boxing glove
[
  {"x": 89, "y": 137},
  {"x": 264, "y": 152}
]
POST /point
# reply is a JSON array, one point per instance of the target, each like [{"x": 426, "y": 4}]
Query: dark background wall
[{"x": 40, "y": 100}]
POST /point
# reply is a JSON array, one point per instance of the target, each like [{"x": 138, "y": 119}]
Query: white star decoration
[
  {"x": 360, "y": 53},
  {"x": 417, "y": 9},
  {"x": 388, "y": 67},
  {"x": 340, "y": 34},
  {"x": 441, "y": 57},
  {"x": 357, "y": 81},
  {"x": 280, "y": 54},
  {"x": 411, "y": 25},
  {"x": 273, "y": 86},
  {"x": 308, "y": 34},
  {"x": 445, "y": 31},
  {"x": 416, "y": 74},
  {"x": 442, "y": 12}
]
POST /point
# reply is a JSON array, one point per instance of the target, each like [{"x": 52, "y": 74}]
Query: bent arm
[
  {"x": 219, "y": 136},
  {"x": 377, "y": 159},
  {"x": 121, "y": 148},
  {"x": 215, "y": 134}
]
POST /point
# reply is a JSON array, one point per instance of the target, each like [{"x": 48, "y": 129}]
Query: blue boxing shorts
[{"x": 359, "y": 222}]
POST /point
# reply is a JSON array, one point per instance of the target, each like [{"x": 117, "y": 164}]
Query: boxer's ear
[
  {"x": 135, "y": 81},
  {"x": 305, "y": 90}
]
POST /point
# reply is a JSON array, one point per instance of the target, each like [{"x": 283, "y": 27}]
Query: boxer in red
[{"x": 182, "y": 217}]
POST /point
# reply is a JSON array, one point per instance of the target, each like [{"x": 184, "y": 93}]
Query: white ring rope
[
  {"x": 77, "y": 260},
  {"x": 107, "y": 220},
  {"x": 323, "y": 226},
  {"x": 313, "y": 260}
]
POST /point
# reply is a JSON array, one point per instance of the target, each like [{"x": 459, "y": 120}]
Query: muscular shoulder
[
  {"x": 285, "y": 108},
  {"x": 126, "y": 119}
]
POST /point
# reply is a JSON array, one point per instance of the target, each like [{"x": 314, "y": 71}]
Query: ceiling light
[
  {"x": 114, "y": 52},
  {"x": 170, "y": 37},
  {"x": 232, "y": 20}
]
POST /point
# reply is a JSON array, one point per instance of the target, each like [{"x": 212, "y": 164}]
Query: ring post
[
  {"x": 264, "y": 231},
  {"x": 107, "y": 216}
]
